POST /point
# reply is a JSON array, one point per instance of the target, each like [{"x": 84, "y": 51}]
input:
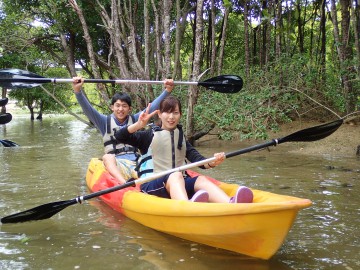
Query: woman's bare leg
[
  {"x": 175, "y": 185},
  {"x": 216, "y": 194}
]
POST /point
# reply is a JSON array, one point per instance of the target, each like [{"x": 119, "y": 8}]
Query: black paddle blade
[
  {"x": 44, "y": 211},
  {"x": 5, "y": 118},
  {"x": 304, "y": 135},
  {"x": 313, "y": 133},
  {"x": 7, "y": 143},
  {"x": 17, "y": 78},
  {"x": 224, "y": 84}
]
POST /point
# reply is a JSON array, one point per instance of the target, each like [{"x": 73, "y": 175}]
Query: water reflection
[{"x": 50, "y": 165}]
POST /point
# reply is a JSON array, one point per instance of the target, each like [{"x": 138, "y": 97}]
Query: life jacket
[
  {"x": 111, "y": 145},
  {"x": 166, "y": 151}
]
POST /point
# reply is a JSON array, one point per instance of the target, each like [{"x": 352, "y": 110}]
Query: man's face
[{"x": 121, "y": 110}]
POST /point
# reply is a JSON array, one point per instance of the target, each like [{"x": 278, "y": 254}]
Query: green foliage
[
  {"x": 277, "y": 94},
  {"x": 285, "y": 86}
]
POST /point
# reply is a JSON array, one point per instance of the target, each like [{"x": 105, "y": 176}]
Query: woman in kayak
[{"x": 164, "y": 147}]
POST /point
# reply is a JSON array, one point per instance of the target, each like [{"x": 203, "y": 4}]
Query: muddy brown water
[{"x": 50, "y": 166}]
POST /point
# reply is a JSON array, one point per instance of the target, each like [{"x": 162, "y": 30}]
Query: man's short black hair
[{"x": 121, "y": 96}]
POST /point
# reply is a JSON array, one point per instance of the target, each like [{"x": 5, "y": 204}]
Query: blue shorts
[{"x": 157, "y": 187}]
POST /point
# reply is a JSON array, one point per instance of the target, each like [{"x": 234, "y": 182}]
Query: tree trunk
[
  {"x": 344, "y": 51},
  {"x": 212, "y": 39},
  {"x": 134, "y": 49},
  {"x": 121, "y": 27},
  {"x": 90, "y": 48},
  {"x": 147, "y": 38},
  {"x": 300, "y": 27},
  {"x": 278, "y": 33},
  {"x": 348, "y": 56},
  {"x": 322, "y": 61},
  {"x": 247, "y": 38},
  {"x": 3, "y": 95},
  {"x": 40, "y": 115},
  {"x": 255, "y": 54},
  {"x": 356, "y": 25},
  {"x": 264, "y": 27},
  {"x": 181, "y": 15},
  {"x": 157, "y": 30},
  {"x": 193, "y": 90},
  {"x": 31, "y": 109},
  {"x": 69, "y": 50},
  {"x": 287, "y": 40},
  {"x": 177, "y": 63},
  {"x": 223, "y": 40},
  {"x": 167, "y": 38},
  {"x": 113, "y": 26}
]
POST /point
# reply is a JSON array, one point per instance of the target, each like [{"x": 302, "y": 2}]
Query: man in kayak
[
  {"x": 164, "y": 147},
  {"x": 119, "y": 159}
]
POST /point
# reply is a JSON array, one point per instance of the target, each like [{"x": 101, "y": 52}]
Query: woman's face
[{"x": 169, "y": 120}]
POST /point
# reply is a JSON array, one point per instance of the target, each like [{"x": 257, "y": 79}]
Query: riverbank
[{"x": 344, "y": 141}]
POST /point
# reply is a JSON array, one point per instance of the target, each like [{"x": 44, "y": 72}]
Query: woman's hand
[
  {"x": 144, "y": 118},
  {"x": 219, "y": 158}
]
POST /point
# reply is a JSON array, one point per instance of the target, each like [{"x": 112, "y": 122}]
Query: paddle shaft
[
  {"x": 60, "y": 80},
  {"x": 16, "y": 78},
  {"x": 251, "y": 148}
]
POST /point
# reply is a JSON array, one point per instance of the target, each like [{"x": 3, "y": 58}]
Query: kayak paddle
[
  {"x": 305, "y": 135},
  {"x": 5, "y": 118},
  {"x": 3, "y": 101},
  {"x": 16, "y": 78},
  {"x": 7, "y": 143},
  {"x": 48, "y": 210}
]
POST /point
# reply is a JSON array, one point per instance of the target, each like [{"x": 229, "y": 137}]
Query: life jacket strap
[{"x": 123, "y": 150}]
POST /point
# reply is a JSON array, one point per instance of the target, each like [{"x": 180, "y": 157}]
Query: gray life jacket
[
  {"x": 111, "y": 145},
  {"x": 166, "y": 151}
]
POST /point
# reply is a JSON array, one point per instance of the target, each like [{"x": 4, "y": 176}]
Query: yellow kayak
[{"x": 255, "y": 229}]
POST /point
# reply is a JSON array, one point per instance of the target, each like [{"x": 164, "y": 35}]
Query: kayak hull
[{"x": 255, "y": 229}]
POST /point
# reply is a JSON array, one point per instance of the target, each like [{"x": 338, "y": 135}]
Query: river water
[{"x": 50, "y": 166}]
